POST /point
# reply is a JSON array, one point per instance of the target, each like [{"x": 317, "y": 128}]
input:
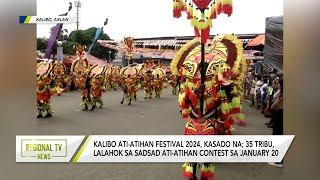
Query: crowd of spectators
[{"x": 266, "y": 95}]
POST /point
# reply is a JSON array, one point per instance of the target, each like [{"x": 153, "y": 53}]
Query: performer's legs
[
  {"x": 146, "y": 92},
  {"x": 99, "y": 101},
  {"x": 189, "y": 171},
  {"x": 207, "y": 171},
  {"x": 39, "y": 105},
  {"x": 130, "y": 99},
  {"x": 83, "y": 104},
  {"x": 48, "y": 109},
  {"x": 124, "y": 94}
]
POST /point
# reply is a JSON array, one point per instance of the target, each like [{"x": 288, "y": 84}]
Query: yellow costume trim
[{"x": 239, "y": 48}]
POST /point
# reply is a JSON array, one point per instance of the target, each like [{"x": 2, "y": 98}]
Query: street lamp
[
  {"x": 109, "y": 56},
  {"x": 59, "y": 51}
]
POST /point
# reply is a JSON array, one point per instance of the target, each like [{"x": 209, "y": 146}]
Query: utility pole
[{"x": 78, "y": 6}]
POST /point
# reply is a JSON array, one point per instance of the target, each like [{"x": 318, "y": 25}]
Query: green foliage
[
  {"x": 42, "y": 44},
  {"x": 83, "y": 37}
]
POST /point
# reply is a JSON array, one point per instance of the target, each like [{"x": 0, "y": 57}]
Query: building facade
[{"x": 162, "y": 48}]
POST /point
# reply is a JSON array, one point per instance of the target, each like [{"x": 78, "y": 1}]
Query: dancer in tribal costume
[
  {"x": 108, "y": 78},
  {"x": 158, "y": 80},
  {"x": 63, "y": 81},
  {"x": 139, "y": 78},
  {"x": 80, "y": 70},
  {"x": 158, "y": 85},
  {"x": 46, "y": 87},
  {"x": 173, "y": 81},
  {"x": 97, "y": 85},
  {"x": 115, "y": 78},
  {"x": 129, "y": 87},
  {"x": 148, "y": 84},
  {"x": 221, "y": 104}
]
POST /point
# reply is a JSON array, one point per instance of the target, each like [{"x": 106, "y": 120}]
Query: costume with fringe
[
  {"x": 97, "y": 84},
  {"x": 80, "y": 69},
  {"x": 139, "y": 78},
  {"x": 63, "y": 81},
  {"x": 129, "y": 75},
  {"x": 46, "y": 87},
  {"x": 148, "y": 84},
  {"x": 108, "y": 78},
  {"x": 115, "y": 78},
  {"x": 224, "y": 67},
  {"x": 173, "y": 81},
  {"x": 158, "y": 80}
]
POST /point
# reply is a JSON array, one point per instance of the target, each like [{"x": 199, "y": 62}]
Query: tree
[
  {"x": 86, "y": 37},
  {"x": 83, "y": 37},
  {"x": 42, "y": 44}
]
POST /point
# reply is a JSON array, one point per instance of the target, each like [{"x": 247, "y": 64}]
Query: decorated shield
[
  {"x": 44, "y": 69},
  {"x": 97, "y": 70},
  {"x": 129, "y": 71},
  {"x": 139, "y": 67},
  {"x": 223, "y": 57},
  {"x": 159, "y": 71},
  {"x": 59, "y": 69},
  {"x": 79, "y": 67}
]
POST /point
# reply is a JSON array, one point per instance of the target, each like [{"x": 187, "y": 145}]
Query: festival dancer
[
  {"x": 97, "y": 85},
  {"x": 159, "y": 75},
  {"x": 129, "y": 87},
  {"x": 222, "y": 60},
  {"x": 148, "y": 84},
  {"x": 108, "y": 78},
  {"x": 139, "y": 79},
  {"x": 158, "y": 85},
  {"x": 115, "y": 78},
  {"x": 46, "y": 87},
  {"x": 63, "y": 81},
  {"x": 173, "y": 81},
  {"x": 80, "y": 70}
]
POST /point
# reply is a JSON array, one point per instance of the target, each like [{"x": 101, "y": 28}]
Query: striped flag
[
  {"x": 98, "y": 33},
  {"x": 53, "y": 37}
]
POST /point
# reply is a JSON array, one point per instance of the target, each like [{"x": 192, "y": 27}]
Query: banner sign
[
  {"x": 46, "y": 20},
  {"x": 60, "y": 54},
  {"x": 152, "y": 149}
]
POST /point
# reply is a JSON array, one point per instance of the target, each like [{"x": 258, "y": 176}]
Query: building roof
[{"x": 240, "y": 36}]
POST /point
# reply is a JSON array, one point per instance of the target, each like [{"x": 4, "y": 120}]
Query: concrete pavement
[{"x": 151, "y": 117}]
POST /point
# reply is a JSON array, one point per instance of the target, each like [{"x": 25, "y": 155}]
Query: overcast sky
[{"x": 153, "y": 18}]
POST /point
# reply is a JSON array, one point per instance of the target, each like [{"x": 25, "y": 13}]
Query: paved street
[{"x": 152, "y": 117}]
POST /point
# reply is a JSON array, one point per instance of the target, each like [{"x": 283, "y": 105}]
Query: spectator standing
[
  {"x": 252, "y": 91},
  {"x": 258, "y": 93},
  {"x": 272, "y": 97},
  {"x": 264, "y": 93},
  {"x": 277, "y": 107}
]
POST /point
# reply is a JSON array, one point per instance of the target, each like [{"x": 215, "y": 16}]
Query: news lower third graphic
[
  {"x": 46, "y": 20},
  {"x": 152, "y": 149},
  {"x": 46, "y": 148}
]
